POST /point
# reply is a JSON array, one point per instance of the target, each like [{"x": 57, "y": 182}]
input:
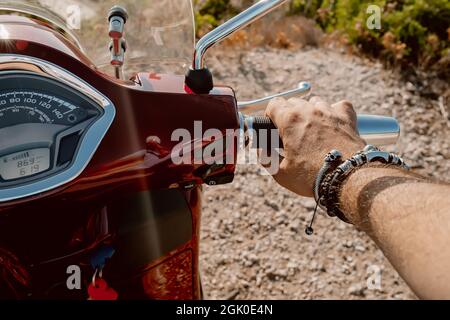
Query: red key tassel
[{"x": 101, "y": 291}]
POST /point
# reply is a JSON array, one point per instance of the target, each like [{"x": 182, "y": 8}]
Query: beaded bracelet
[{"x": 334, "y": 172}]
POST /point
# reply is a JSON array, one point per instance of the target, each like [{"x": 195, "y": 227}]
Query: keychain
[{"x": 98, "y": 288}]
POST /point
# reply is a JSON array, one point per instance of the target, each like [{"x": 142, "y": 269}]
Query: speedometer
[
  {"x": 23, "y": 101},
  {"x": 33, "y": 106},
  {"x": 42, "y": 123},
  {"x": 51, "y": 124}
]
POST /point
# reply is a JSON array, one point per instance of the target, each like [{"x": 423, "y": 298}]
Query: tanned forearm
[{"x": 408, "y": 217}]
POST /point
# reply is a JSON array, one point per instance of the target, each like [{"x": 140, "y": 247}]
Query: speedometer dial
[
  {"x": 34, "y": 106},
  {"x": 51, "y": 124},
  {"x": 42, "y": 122}
]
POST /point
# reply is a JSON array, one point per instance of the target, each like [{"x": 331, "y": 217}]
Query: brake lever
[{"x": 253, "y": 106}]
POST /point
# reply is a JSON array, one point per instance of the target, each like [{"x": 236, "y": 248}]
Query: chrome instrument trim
[
  {"x": 260, "y": 104},
  {"x": 88, "y": 144},
  {"x": 238, "y": 22},
  {"x": 10, "y": 62}
]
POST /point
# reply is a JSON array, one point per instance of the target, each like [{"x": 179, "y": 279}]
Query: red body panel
[{"x": 73, "y": 220}]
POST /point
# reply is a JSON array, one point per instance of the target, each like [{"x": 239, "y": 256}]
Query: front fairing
[{"x": 131, "y": 175}]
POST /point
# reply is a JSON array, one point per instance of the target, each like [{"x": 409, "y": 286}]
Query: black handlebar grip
[{"x": 265, "y": 124}]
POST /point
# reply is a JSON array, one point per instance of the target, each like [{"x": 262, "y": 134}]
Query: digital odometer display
[{"x": 24, "y": 164}]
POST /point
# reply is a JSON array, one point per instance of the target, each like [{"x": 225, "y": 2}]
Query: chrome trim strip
[
  {"x": 52, "y": 71},
  {"x": 90, "y": 141}
]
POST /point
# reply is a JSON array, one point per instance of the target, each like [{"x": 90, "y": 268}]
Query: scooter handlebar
[{"x": 375, "y": 130}]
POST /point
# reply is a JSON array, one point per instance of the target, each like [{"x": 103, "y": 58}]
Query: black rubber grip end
[
  {"x": 265, "y": 123},
  {"x": 199, "y": 81}
]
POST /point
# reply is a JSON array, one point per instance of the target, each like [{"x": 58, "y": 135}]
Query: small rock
[
  {"x": 309, "y": 204},
  {"x": 357, "y": 290},
  {"x": 410, "y": 87},
  {"x": 295, "y": 226}
]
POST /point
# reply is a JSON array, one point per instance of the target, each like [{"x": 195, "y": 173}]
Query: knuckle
[
  {"x": 278, "y": 101},
  {"x": 317, "y": 112},
  {"x": 274, "y": 105},
  {"x": 347, "y": 104},
  {"x": 297, "y": 104},
  {"x": 270, "y": 110},
  {"x": 296, "y": 101},
  {"x": 347, "y": 109},
  {"x": 294, "y": 117},
  {"x": 315, "y": 100},
  {"x": 284, "y": 165}
]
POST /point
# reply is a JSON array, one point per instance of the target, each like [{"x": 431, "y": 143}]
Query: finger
[
  {"x": 346, "y": 110},
  {"x": 286, "y": 115},
  {"x": 270, "y": 160},
  {"x": 293, "y": 113},
  {"x": 298, "y": 105},
  {"x": 297, "y": 102},
  {"x": 276, "y": 109},
  {"x": 316, "y": 100}
]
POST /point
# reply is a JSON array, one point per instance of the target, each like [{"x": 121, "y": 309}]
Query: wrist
[
  {"x": 350, "y": 149},
  {"x": 336, "y": 171},
  {"x": 347, "y": 151},
  {"x": 359, "y": 188}
]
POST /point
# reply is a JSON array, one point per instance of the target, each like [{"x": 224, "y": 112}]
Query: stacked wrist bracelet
[{"x": 334, "y": 172}]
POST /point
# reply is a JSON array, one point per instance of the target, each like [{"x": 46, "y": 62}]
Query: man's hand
[
  {"x": 309, "y": 131},
  {"x": 405, "y": 214}
]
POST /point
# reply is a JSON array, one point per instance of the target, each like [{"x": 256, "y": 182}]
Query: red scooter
[{"x": 99, "y": 198}]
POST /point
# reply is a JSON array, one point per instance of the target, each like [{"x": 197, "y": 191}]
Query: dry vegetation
[{"x": 413, "y": 34}]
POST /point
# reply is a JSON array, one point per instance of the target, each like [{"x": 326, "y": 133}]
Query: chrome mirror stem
[
  {"x": 117, "y": 18},
  {"x": 255, "y": 12}
]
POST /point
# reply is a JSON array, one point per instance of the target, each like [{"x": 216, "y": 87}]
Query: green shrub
[
  {"x": 413, "y": 31},
  {"x": 211, "y": 13}
]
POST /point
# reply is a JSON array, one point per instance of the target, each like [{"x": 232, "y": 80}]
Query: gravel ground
[{"x": 253, "y": 240}]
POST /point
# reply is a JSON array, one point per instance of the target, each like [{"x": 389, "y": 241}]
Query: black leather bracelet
[
  {"x": 330, "y": 188},
  {"x": 332, "y": 160}
]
